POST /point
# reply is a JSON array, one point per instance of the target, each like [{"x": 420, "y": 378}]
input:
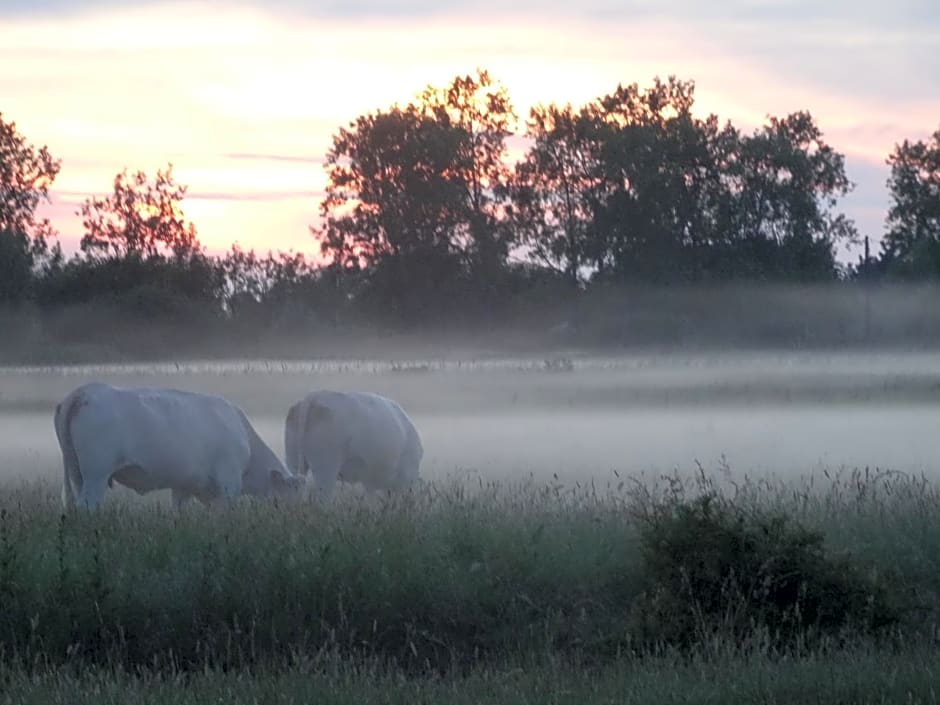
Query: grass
[
  {"x": 857, "y": 675},
  {"x": 494, "y": 593}
]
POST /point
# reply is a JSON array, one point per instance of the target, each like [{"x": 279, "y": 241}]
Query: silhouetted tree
[
  {"x": 141, "y": 255},
  {"x": 784, "y": 183},
  {"x": 911, "y": 246},
  {"x": 282, "y": 287},
  {"x": 557, "y": 187},
  {"x": 139, "y": 219},
  {"x": 658, "y": 167},
  {"x": 477, "y": 113},
  {"x": 26, "y": 173},
  {"x": 391, "y": 209}
]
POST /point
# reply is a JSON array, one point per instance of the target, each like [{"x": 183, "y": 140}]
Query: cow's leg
[
  {"x": 98, "y": 465},
  {"x": 406, "y": 472},
  {"x": 93, "y": 491},
  {"x": 228, "y": 483},
  {"x": 68, "y": 494},
  {"x": 325, "y": 472}
]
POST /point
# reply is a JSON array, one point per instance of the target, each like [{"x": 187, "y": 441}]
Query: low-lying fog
[{"x": 788, "y": 414}]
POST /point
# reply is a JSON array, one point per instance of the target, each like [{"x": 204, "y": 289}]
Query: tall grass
[
  {"x": 857, "y": 675},
  {"x": 455, "y": 579}
]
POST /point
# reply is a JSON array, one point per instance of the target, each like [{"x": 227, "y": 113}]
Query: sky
[{"x": 243, "y": 98}]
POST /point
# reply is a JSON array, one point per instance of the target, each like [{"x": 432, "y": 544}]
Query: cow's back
[
  {"x": 374, "y": 427},
  {"x": 174, "y": 436}
]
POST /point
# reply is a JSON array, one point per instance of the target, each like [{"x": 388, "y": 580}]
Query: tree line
[{"x": 426, "y": 216}]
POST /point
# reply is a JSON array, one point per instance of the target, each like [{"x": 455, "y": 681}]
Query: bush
[{"x": 716, "y": 568}]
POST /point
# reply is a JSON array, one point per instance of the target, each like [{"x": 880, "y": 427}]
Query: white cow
[
  {"x": 353, "y": 437},
  {"x": 147, "y": 439}
]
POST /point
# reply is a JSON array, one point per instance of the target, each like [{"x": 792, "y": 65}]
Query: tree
[
  {"x": 389, "y": 191},
  {"x": 912, "y": 242},
  {"x": 26, "y": 173},
  {"x": 22, "y": 260},
  {"x": 266, "y": 289},
  {"x": 784, "y": 183},
  {"x": 556, "y": 188},
  {"x": 139, "y": 219},
  {"x": 477, "y": 112},
  {"x": 659, "y": 169},
  {"x": 141, "y": 255},
  {"x": 415, "y": 196}
]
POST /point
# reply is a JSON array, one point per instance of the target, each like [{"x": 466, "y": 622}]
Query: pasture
[{"x": 538, "y": 564}]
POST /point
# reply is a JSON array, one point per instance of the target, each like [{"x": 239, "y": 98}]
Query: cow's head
[{"x": 285, "y": 484}]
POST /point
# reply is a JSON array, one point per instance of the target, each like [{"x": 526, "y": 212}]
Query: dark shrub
[{"x": 717, "y": 569}]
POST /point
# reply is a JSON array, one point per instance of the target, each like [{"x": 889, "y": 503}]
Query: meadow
[{"x": 646, "y": 529}]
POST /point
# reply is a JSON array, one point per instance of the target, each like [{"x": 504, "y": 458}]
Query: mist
[{"x": 564, "y": 416}]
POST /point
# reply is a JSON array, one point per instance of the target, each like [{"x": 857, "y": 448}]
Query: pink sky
[{"x": 244, "y": 98}]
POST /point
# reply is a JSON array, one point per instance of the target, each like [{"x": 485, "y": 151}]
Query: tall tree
[
  {"x": 389, "y": 189},
  {"x": 392, "y": 206},
  {"x": 477, "y": 113},
  {"x": 140, "y": 219},
  {"x": 415, "y": 196},
  {"x": 556, "y": 188},
  {"x": 657, "y": 166},
  {"x": 26, "y": 173},
  {"x": 912, "y": 241},
  {"x": 785, "y": 182}
]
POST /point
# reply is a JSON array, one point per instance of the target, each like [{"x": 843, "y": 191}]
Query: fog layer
[{"x": 578, "y": 419}]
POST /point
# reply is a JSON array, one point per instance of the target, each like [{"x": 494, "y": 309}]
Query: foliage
[
  {"x": 862, "y": 674},
  {"x": 479, "y": 115},
  {"x": 714, "y": 567},
  {"x": 139, "y": 220},
  {"x": 425, "y": 222},
  {"x": 415, "y": 196},
  {"x": 911, "y": 245},
  {"x": 447, "y": 579},
  {"x": 556, "y": 188},
  {"x": 26, "y": 173},
  {"x": 24, "y": 260}
]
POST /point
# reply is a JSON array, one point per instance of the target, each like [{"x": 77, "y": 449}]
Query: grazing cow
[
  {"x": 195, "y": 445},
  {"x": 353, "y": 437}
]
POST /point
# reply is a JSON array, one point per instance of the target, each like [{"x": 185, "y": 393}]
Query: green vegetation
[
  {"x": 858, "y": 675},
  {"x": 708, "y": 590}
]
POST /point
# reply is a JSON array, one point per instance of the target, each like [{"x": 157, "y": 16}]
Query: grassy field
[
  {"x": 858, "y": 675},
  {"x": 707, "y": 590}
]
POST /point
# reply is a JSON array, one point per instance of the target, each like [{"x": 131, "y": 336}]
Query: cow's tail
[{"x": 72, "y": 474}]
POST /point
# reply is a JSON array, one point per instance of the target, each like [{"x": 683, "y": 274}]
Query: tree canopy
[
  {"x": 911, "y": 244},
  {"x": 445, "y": 206}
]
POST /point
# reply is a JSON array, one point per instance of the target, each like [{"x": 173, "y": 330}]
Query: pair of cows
[{"x": 204, "y": 447}]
